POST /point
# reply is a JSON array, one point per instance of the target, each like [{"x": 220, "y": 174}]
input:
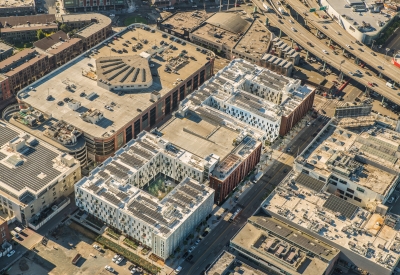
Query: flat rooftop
[
  {"x": 98, "y": 22},
  {"x": 363, "y": 14},
  {"x": 284, "y": 246},
  {"x": 216, "y": 35},
  {"x": 16, "y": 4},
  {"x": 342, "y": 150},
  {"x": 199, "y": 136},
  {"x": 27, "y": 164},
  {"x": 227, "y": 263},
  {"x": 77, "y": 81},
  {"x": 4, "y": 47},
  {"x": 255, "y": 42},
  {"x": 339, "y": 222},
  {"x": 181, "y": 21}
]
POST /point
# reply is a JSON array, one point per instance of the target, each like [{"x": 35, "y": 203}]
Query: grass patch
[
  {"x": 388, "y": 32},
  {"x": 128, "y": 255},
  {"x": 112, "y": 234},
  {"x": 20, "y": 45},
  {"x": 130, "y": 243},
  {"x": 134, "y": 19}
]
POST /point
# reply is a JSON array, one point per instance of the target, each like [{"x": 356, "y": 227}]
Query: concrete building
[
  {"x": 17, "y": 29},
  {"x": 80, "y": 94},
  {"x": 227, "y": 263},
  {"x": 92, "y": 5},
  {"x": 151, "y": 191},
  {"x": 5, "y": 51},
  {"x": 258, "y": 97},
  {"x": 364, "y": 20},
  {"x": 17, "y": 8},
  {"x": 92, "y": 28},
  {"x": 35, "y": 178},
  {"x": 60, "y": 48},
  {"x": 359, "y": 164},
  {"x": 22, "y": 69},
  {"x": 280, "y": 248},
  {"x": 368, "y": 240}
]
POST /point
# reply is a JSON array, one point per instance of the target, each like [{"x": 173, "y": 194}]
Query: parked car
[
  {"x": 109, "y": 268},
  {"x": 12, "y": 252},
  {"x": 115, "y": 258}
]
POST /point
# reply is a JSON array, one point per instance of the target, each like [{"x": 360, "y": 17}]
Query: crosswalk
[{"x": 331, "y": 103}]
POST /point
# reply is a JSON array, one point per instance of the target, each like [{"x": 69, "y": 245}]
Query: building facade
[
  {"x": 5, "y": 235},
  {"x": 33, "y": 202},
  {"x": 92, "y": 5},
  {"x": 124, "y": 193}
]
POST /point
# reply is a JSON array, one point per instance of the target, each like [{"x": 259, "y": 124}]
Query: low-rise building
[
  {"x": 5, "y": 51},
  {"x": 280, "y": 248},
  {"x": 17, "y": 29},
  {"x": 227, "y": 263},
  {"x": 21, "y": 69},
  {"x": 60, "y": 48},
  {"x": 93, "y": 5},
  {"x": 17, "y": 8},
  {"x": 368, "y": 241},
  {"x": 92, "y": 28},
  {"x": 357, "y": 159},
  {"x": 35, "y": 178},
  {"x": 151, "y": 191}
]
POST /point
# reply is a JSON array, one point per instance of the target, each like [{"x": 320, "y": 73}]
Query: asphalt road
[{"x": 218, "y": 239}]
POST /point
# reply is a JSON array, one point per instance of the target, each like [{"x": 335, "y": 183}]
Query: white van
[
  {"x": 390, "y": 85},
  {"x": 178, "y": 270},
  {"x": 18, "y": 230}
]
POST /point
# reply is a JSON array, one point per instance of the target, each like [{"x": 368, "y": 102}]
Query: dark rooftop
[{"x": 51, "y": 40}]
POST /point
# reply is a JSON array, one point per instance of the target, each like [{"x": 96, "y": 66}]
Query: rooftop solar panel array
[
  {"x": 131, "y": 160},
  {"x": 146, "y": 211},
  {"x": 141, "y": 152},
  {"x": 38, "y": 160},
  {"x": 164, "y": 230},
  {"x": 6, "y": 135},
  {"x": 111, "y": 198},
  {"x": 196, "y": 186},
  {"x": 120, "y": 166},
  {"x": 122, "y": 195},
  {"x": 189, "y": 191},
  {"x": 149, "y": 201},
  {"x": 274, "y": 227},
  {"x": 94, "y": 188},
  {"x": 337, "y": 204},
  {"x": 116, "y": 172},
  {"x": 307, "y": 244},
  {"x": 104, "y": 175},
  {"x": 181, "y": 197},
  {"x": 171, "y": 200},
  {"x": 148, "y": 146},
  {"x": 310, "y": 182}
]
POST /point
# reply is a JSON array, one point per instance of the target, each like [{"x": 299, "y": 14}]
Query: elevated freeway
[
  {"x": 341, "y": 37},
  {"x": 301, "y": 35}
]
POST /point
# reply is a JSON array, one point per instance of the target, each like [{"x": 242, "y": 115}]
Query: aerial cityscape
[{"x": 200, "y": 137}]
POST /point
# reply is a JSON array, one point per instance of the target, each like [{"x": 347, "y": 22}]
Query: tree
[
  {"x": 65, "y": 28},
  {"x": 40, "y": 34}
]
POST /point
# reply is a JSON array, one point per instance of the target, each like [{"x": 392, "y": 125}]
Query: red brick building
[
  {"x": 4, "y": 231},
  {"x": 288, "y": 121},
  {"x": 233, "y": 169}
]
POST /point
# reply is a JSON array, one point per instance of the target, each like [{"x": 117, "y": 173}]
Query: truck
[
  {"x": 257, "y": 177},
  {"x": 76, "y": 258}
]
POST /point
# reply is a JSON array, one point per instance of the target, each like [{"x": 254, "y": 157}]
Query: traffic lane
[
  {"x": 343, "y": 39},
  {"x": 332, "y": 60}
]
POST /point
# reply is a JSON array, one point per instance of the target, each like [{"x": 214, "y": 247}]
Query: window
[
  {"x": 350, "y": 190},
  {"x": 321, "y": 178},
  {"x": 357, "y": 199},
  {"x": 54, "y": 193},
  {"x": 305, "y": 171},
  {"x": 334, "y": 183},
  {"x": 343, "y": 181},
  {"x": 360, "y": 189},
  {"x": 340, "y": 191},
  {"x": 349, "y": 195},
  {"x": 120, "y": 139}
]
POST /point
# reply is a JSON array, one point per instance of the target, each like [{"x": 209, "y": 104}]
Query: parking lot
[{"x": 55, "y": 258}]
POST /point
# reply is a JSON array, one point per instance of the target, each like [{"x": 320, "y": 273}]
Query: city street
[{"x": 219, "y": 238}]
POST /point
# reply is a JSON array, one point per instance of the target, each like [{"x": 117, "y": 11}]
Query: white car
[
  {"x": 12, "y": 252},
  {"x": 348, "y": 46},
  {"x": 120, "y": 259},
  {"x": 109, "y": 268},
  {"x": 115, "y": 258},
  {"x": 95, "y": 246},
  {"x": 351, "y": 73},
  {"x": 325, "y": 52},
  {"x": 293, "y": 29},
  {"x": 291, "y": 21}
]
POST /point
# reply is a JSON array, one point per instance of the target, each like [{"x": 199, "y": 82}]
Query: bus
[{"x": 234, "y": 215}]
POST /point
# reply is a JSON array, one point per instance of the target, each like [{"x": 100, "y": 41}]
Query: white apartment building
[
  {"x": 256, "y": 96},
  {"x": 115, "y": 192},
  {"x": 359, "y": 165},
  {"x": 35, "y": 177}
]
